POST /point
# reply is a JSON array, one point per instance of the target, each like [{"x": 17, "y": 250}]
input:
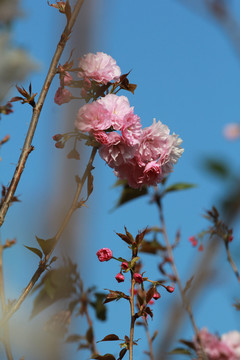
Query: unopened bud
[
  {"x": 170, "y": 289},
  {"x": 57, "y": 137},
  {"x": 59, "y": 145}
]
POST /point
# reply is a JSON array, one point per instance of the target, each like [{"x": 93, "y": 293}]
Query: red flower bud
[
  {"x": 170, "y": 288},
  {"x": 124, "y": 265},
  {"x": 193, "y": 240},
  {"x": 119, "y": 277},
  {"x": 138, "y": 278},
  {"x": 156, "y": 295}
]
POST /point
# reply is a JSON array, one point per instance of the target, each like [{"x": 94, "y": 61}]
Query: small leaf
[
  {"x": 217, "y": 167},
  {"x": 104, "y": 357},
  {"x": 133, "y": 261},
  {"x": 35, "y": 251},
  {"x": 125, "y": 238},
  {"x": 180, "y": 351},
  {"x": 154, "y": 335},
  {"x": 150, "y": 294},
  {"x": 237, "y": 305},
  {"x": 46, "y": 245},
  {"x": 89, "y": 335},
  {"x": 122, "y": 353},
  {"x": 90, "y": 184},
  {"x": 53, "y": 259},
  {"x": 179, "y": 186},
  {"x": 110, "y": 337},
  {"x": 188, "y": 284}
]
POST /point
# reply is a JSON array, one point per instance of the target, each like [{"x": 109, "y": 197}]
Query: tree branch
[{"x": 27, "y": 147}]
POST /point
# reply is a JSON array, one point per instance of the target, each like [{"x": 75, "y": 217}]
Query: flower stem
[
  {"x": 132, "y": 317},
  {"x": 6, "y": 340},
  {"x": 44, "y": 263},
  {"x": 175, "y": 272}
]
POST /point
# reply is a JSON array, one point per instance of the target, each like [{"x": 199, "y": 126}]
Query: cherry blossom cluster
[
  {"x": 142, "y": 156},
  {"x": 225, "y": 347}
]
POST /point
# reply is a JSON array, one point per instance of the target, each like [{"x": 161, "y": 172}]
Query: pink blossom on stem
[
  {"x": 99, "y": 67},
  {"x": 118, "y": 107},
  {"x": 131, "y": 129},
  {"x": 104, "y": 254},
  {"x": 119, "y": 277},
  {"x": 116, "y": 152},
  {"x": 101, "y": 137},
  {"x": 92, "y": 117},
  {"x": 138, "y": 278},
  {"x": 62, "y": 96}
]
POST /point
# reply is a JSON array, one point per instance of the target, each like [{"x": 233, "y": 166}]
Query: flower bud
[
  {"x": 170, "y": 289},
  {"x": 57, "y": 137},
  {"x": 104, "y": 254},
  {"x": 138, "y": 278},
  {"x": 124, "y": 265},
  {"x": 156, "y": 295},
  {"x": 119, "y": 277}
]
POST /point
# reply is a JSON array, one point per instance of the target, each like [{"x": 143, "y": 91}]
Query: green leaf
[
  {"x": 217, "y": 167},
  {"x": 133, "y": 261},
  {"x": 100, "y": 308},
  {"x": 129, "y": 194},
  {"x": 179, "y": 186},
  {"x": 180, "y": 351},
  {"x": 35, "y": 251},
  {"x": 46, "y": 245}
]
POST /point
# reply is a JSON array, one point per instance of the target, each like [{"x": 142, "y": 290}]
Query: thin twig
[
  {"x": 133, "y": 318},
  {"x": 90, "y": 324},
  {"x": 6, "y": 340},
  {"x": 149, "y": 340},
  {"x": 27, "y": 147},
  {"x": 232, "y": 263},
  {"x": 44, "y": 263},
  {"x": 175, "y": 272}
]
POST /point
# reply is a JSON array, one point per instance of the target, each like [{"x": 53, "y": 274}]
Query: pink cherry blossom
[
  {"x": 104, "y": 254},
  {"x": 131, "y": 129},
  {"x": 118, "y": 107},
  {"x": 232, "y": 340},
  {"x": 99, "y": 67},
  {"x": 92, "y": 117},
  {"x": 62, "y": 96},
  {"x": 116, "y": 152},
  {"x": 214, "y": 348}
]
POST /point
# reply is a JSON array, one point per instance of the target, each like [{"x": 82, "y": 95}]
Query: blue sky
[{"x": 188, "y": 77}]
